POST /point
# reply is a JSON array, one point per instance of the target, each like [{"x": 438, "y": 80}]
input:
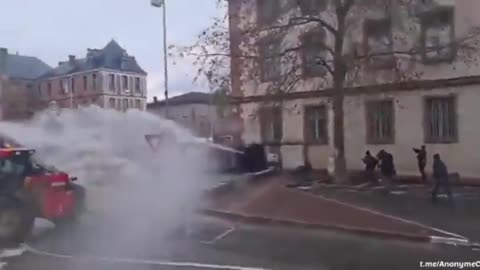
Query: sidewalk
[{"x": 271, "y": 202}]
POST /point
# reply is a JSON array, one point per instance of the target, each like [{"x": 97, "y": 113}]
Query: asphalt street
[
  {"x": 214, "y": 244},
  {"x": 414, "y": 203}
]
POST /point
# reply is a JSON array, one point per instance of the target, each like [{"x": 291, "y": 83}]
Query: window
[
  {"x": 72, "y": 84},
  {"x": 137, "y": 85},
  {"x": 270, "y": 59},
  {"x": 111, "y": 103},
  {"x": 61, "y": 84},
  {"x": 94, "y": 81},
  {"x": 440, "y": 120},
  {"x": 85, "y": 82},
  {"x": 312, "y": 7},
  {"x": 380, "y": 122},
  {"x": 130, "y": 83},
  {"x": 379, "y": 42},
  {"x": 315, "y": 124},
  {"x": 138, "y": 104},
  {"x": 49, "y": 89},
  {"x": 119, "y": 84},
  {"x": 268, "y": 11},
  {"x": 314, "y": 54},
  {"x": 125, "y": 104},
  {"x": 124, "y": 83},
  {"x": 271, "y": 124},
  {"x": 437, "y": 34},
  {"x": 111, "y": 82}
]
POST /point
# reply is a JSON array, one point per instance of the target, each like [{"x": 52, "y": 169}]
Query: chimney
[
  {"x": 155, "y": 99},
  {"x": 90, "y": 57},
  {"x": 71, "y": 59}
]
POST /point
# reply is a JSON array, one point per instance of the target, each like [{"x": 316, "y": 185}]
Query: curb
[
  {"x": 237, "y": 181},
  {"x": 382, "y": 234}
]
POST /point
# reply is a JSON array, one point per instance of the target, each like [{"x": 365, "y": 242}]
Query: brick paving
[{"x": 272, "y": 200}]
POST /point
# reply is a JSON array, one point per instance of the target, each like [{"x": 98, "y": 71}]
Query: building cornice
[{"x": 364, "y": 90}]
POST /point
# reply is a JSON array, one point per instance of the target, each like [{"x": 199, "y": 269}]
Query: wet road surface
[{"x": 214, "y": 244}]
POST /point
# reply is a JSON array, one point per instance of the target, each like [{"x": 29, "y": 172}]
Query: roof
[
  {"x": 112, "y": 56},
  {"x": 21, "y": 67},
  {"x": 188, "y": 98}
]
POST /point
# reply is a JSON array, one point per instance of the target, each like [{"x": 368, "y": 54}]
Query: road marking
[
  {"x": 220, "y": 236},
  {"x": 138, "y": 261},
  {"x": 9, "y": 253},
  {"x": 388, "y": 216}
]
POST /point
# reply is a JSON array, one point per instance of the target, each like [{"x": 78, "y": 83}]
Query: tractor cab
[
  {"x": 29, "y": 189},
  {"x": 15, "y": 165}
]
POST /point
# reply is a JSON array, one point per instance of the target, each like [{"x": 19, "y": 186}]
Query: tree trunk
[
  {"x": 339, "y": 75},
  {"x": 338, "y": 134}
]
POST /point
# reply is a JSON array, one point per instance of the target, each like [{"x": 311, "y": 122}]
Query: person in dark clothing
[
  {"x": 422, "y": 161},
  {"x": 440, "y": 175},
  {"x": 370, "y": 165},
  {"x": 387, "y": 168}
]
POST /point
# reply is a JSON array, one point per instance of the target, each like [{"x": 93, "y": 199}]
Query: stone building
[
  {"x": 435, "y": 103},
  {"x": 198, "y": 112},
  {"x": 192, "y": 110},
  {"x": 108, "y": 77},
  {"x": 17, "y": 82}
]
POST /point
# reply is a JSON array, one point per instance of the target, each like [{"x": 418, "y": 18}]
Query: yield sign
[{"x": 154, "y": 140}]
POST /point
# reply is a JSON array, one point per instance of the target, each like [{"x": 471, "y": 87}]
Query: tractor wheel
[
  {"x": 16, "y": 222},
  {"x": 80, "y": 194},
  {"x": 69, "y": 220}
]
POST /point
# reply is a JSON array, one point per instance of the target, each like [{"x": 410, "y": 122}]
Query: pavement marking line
[
  {"x": 388, "y": 216},
  {"x": 138, "y": 261},
  {"x": 449, "y": 240},
  {"x": 220, "y": 236}
]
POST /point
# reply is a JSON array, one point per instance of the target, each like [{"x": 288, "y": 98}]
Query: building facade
[
  {"x": 108, "y": 77},
  {"x": 433, "y": 101},
  {"x": 193, "y": 111},
  {"x": 17, "y": 81},
  {"x": 197, "y": 112}
]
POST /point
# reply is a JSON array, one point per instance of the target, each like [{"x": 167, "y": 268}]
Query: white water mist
[{"x": 139, "y": 193}]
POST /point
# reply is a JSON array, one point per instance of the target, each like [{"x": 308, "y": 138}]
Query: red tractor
[{"x": 29, "y": 189}]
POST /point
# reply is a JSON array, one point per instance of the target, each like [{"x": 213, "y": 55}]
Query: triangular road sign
[{"x": 154, "y": 140}]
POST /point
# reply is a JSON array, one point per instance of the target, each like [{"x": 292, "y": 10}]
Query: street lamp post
[
  {"x": 158, "y": 4},
  {"x": 211, "y": 99}
]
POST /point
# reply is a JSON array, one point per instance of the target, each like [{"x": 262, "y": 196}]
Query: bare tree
[{"x": 392, "y": 43}]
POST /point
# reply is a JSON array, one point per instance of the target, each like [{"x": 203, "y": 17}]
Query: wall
[
  {"x": 99, "y": 95},
  {"x": 294, "y": 149},
  {"x": 409, "y": 132},
  {"x": 246, "y": 83},
  {"x": 461, "y": 157},
  {"x": 15, "y": 99}
]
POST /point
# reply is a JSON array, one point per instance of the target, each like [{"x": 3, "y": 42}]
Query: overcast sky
[{"x": 53, "y": 29}]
